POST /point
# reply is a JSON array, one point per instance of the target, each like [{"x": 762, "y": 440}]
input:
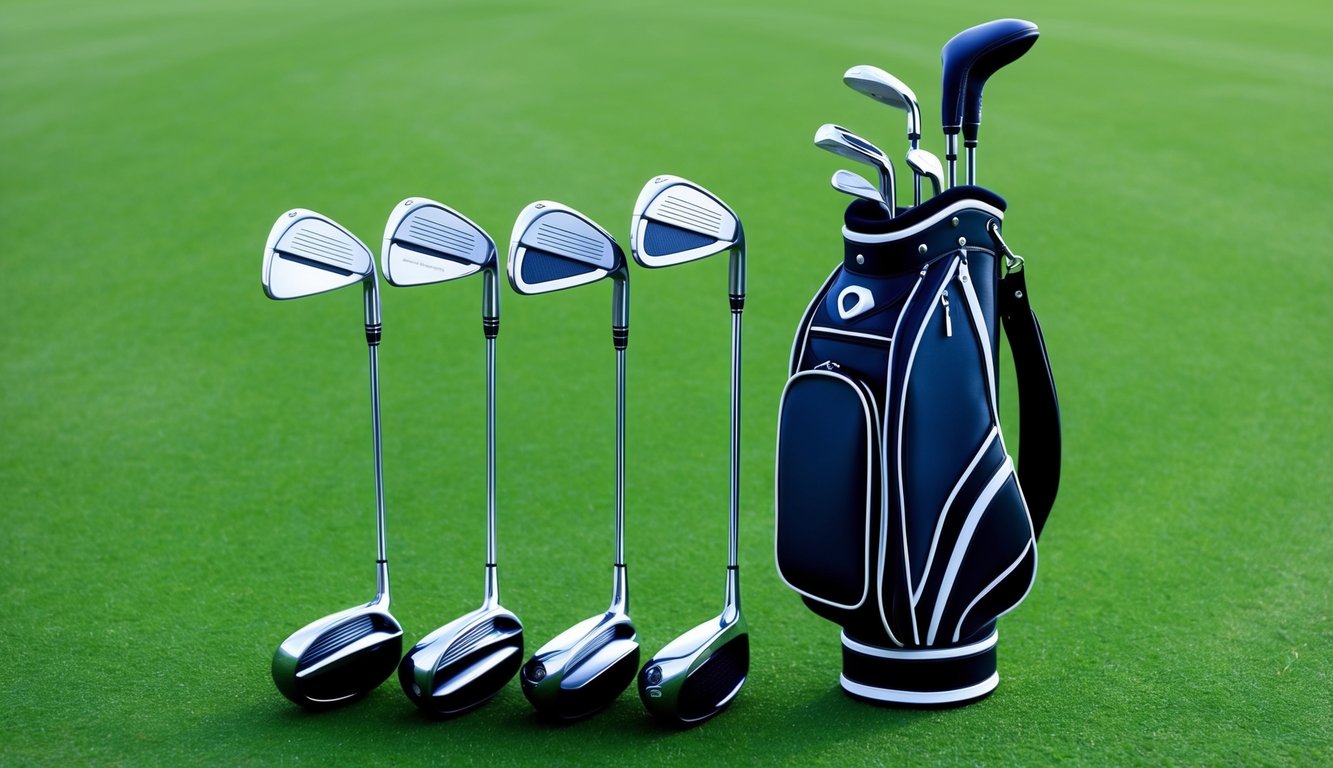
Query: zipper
[
  {"x": 827, "y": 365},
  {"x": 948, "y": 322}
]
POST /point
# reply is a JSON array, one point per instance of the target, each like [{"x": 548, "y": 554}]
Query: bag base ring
[{"x": 922, "y": 677}]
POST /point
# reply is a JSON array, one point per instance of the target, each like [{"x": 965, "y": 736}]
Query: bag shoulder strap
[{"x": 1038, "y": 404}]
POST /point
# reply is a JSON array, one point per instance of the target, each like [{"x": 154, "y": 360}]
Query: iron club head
[
  {"x": 677, "y": 221},
  {"x": 856, "y": 185},
  {"x": 464, "y": 663},
  {"x": 844, "y": 143},
  {"x": 887, "y": 89},
  {"x": 926, "y": 164},
  {"x": 341, "y": 657}
]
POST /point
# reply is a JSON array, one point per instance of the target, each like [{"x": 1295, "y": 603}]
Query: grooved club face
[
  {"x": 339, "y": 658},
  {"x": 465, "y": 663},
  {"x": 429, "y": 242},
  {"x": 677, "y": 221},
  {"x": 554, "y": 247},
  {"x": 844, "y": 143},
  {"x": 583, "y": 669},
  {"x": 308, "y": 253}
]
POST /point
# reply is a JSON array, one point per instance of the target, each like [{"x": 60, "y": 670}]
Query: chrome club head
[
  {"x": 466, "y": 662},
  {"x": 856, "y": 185},
  {"x": 308, "y": 253},
  {"x": 339, "y": 658},
  {"x": 554, "y": 247},
  {"x": 585, "y": 668},
  {"x": 676, "y": 221},
  {"x": 926, "y": 164},
  {"x": 887, "y": 89},
  {"x": 698, "y": 674},
  {"x": 844, "y": 143}
]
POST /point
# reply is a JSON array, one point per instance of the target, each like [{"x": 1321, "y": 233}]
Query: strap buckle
[{"x": 1012, "y": 261}]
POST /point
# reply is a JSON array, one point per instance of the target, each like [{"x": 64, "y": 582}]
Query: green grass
[{"x": 186, "y": 465}]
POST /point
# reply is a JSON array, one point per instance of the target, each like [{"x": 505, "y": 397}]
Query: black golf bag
[{"x": 900, "y": 515}]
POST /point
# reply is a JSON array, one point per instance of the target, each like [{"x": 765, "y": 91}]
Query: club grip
[{"x": 969, "y": 59}]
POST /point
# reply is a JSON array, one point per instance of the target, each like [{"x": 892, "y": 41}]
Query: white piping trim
[
  {"x": 944, "y": 511},
  {"x": 964, "y": 539},
  {"x": 872, "y": 420},
  {"x": 889, "y": 237},
  {"x": 922, "y": 654},
  {"x": 1023, "y": 556},
  {"x": 902, "y": 410},
  {"x": 857, "y": 334},
  {"x": 918, "y": 697},
  {"x": 884, "y": 474}
]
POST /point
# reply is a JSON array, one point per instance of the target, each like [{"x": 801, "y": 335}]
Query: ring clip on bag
[{"x": 900, "y": 514}]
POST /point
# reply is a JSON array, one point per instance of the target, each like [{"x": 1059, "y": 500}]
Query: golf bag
[{"x": 900, "y": 515}]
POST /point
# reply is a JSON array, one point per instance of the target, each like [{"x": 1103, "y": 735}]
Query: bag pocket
[{"x": 828, "y": 486}]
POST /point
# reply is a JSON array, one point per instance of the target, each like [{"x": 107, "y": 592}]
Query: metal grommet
[
  {"x": 954, "y": 223},
  {"x": 1018, "y": 294},
  {"x": 962, "y": 241},
  {"x": 860, "y": 259},
  {"x": 921, "y": 248}
]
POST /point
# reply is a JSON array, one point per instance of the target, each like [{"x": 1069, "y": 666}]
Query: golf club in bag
[
  {"x": 343, "y": 656},
  {"x": 900, "y": 513},
  {"x": 464, "y": 663}
]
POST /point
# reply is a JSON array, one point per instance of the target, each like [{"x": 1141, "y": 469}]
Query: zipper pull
[
  {"x": 827, "y": 365},
  {"x": 948, "y": 322}
]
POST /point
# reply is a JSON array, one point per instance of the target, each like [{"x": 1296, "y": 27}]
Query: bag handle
[{"x": 1038, "y": 404}]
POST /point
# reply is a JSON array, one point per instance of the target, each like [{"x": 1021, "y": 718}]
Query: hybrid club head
[
  {"x": 887, "y": 89},
  {"x": 676, "y": 221},
  {"x": 341, "y": 657},
  {"x": 856, "y": 185},
  {"x": 697, "y": 675},
  {"x": 926, "y": 164},
  {"x": 464, "y": 663},
  {"x": 844, "y": 143},
  {"x": 584, "y": 669}
]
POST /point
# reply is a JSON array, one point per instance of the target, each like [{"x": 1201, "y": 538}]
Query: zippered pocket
[{"x": 828, "y": 486}]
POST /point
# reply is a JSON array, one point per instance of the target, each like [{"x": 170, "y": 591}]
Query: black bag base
[{"x": 921, "y": 678}]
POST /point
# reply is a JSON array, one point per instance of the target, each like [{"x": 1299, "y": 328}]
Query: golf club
[
  {"x": 341, "y": 657},
  {"x": 583, "y": 669},
  {"x": 697, "y": 675},
  {"x": 887, "y": 89},
  {"x": 926, "y": 164},
  {"x": 856, "y": 186},
  {"x": 464, "y": 663},
  {"x": 970, "y": 58},
  {"x": 844, "y": 143}
]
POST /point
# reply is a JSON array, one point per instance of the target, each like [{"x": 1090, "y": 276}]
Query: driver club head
[
  {"x": 308, "y": 253},
  {"x": 554, "y": 247},
  {"x": 584, "y": 669},
  {"x": 339, "y": 658},
  {"x": 844, "y": 143},
  {"x": 464, "y": 663},
  {"x": 697, "y": 675},
  {"x": 428, "y": 242}
]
